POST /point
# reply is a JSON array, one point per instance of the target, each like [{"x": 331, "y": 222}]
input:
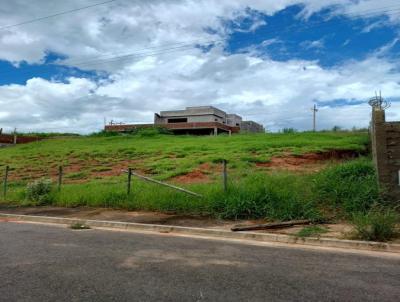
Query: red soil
[
  {"x": 311, "y": 162},
  {"x": 199, "y": 175}
]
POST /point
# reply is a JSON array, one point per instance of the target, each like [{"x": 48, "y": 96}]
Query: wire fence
[{"x": 130, "y": 173}]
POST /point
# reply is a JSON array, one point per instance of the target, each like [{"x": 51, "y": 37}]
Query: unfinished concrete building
[{"x": 202, "y": 120}]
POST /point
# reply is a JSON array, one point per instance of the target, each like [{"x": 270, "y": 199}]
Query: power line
[
  {"x": 371, "y": 12},
  {"x": 55, "y": 15},
  {"x": 182, "y": 46},
  {"x": 194, "y": 42}
]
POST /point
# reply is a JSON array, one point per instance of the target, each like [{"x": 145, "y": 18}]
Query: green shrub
[
  {"x": 39, "y": 191},
  {"x": 152, "y": 131},
  {"x": 104, "y": 133},
  {"x": 377, "y": 224},
  {"x": 350, "y": 187}
]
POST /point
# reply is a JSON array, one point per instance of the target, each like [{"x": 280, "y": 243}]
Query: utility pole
[
  {"x": 15, "y": 136},
  {"x": 314, "y": 110}
]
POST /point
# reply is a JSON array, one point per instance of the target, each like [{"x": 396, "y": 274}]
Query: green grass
[
  {"x": 347, "y": 188},
  {"x": 276, "y": 196},
  {"x": 165, "y": 155},
  {"x": 338, "y": 190},
  {"x": 311, "y": 231}
]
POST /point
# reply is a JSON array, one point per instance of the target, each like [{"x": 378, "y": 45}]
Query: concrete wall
[
  {"x": 202, "y": 114},
  {"x": 385, "y": 137},
  {"x": 250, "y": 126},
  {"x": 233, "y": 120}
]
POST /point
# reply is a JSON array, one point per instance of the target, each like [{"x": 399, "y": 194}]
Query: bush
[
  {"x": 376, "y": 225},
  {"x": 39, "y": 191},
  {"x": 351, "y": 187},
  {"x": 104, "y": 133},
  {"x": 152, "y": 131}
]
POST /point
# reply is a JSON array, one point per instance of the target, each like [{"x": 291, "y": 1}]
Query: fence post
[
  {"x": 225, "y": 175},
  {"x": 60, "y": 176},
  {"x": 129, "y": 180},
  {"x": 5, "y": 182}
]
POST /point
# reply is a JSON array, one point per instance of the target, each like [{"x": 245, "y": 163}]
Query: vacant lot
[
  {"x": 166, "y": 156},
  {"x": 276, "y": 176}
]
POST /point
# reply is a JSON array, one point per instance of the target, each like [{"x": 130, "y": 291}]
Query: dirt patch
[
  {"x": 308, "y": 162},
  {"x": 200, "y": 175},
  {"x": 192, "y": 177}
]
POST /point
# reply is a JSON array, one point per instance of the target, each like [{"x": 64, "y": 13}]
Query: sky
[{"x": 267, "y": 60}]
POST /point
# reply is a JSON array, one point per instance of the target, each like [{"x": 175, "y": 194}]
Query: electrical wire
[{"x": 55, "y": 15}]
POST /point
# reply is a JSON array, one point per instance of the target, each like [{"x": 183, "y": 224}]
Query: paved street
[{"x": 52, "y": 263}]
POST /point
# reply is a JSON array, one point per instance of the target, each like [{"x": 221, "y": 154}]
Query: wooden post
[
  {"x": 129, "y": 180},
  {"x": 15, "y": 136},
  {"x": 225, "y": 175},
  {"x": 5, "y": 182},
  {"x": 60, "y": 176}
]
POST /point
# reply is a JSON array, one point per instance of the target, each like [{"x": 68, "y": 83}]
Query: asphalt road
[{"x": 51, "y": 263}]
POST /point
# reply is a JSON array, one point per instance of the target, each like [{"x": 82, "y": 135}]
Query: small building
[{"x": 202, "y": 120}]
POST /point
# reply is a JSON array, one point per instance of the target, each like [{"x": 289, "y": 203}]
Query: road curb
[{"x": 262, "y": 237}]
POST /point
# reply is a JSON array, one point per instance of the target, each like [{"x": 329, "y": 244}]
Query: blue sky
[
  {"x": 330, "y": 40},
  {"x": 333, "y": 53}
]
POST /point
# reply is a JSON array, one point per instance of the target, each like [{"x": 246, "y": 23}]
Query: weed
[
  {"x": 39, "y": 191},
  {"x": 377, "y": 224},
  {"x": 79, "y": 226},
  {"x": 311, "y": 231}
]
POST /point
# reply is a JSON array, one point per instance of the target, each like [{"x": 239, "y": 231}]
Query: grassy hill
[
  {"x": 164, "y": 156},
  {"x": 270, "y": 175}
]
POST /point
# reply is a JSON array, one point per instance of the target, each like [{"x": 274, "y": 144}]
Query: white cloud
[{"x": 278, "y": 94}]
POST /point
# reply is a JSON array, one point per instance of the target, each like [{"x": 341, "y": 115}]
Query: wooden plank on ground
[{"x": 274, "y": 225}]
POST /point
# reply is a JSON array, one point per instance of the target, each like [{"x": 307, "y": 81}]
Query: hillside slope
[{"x": 167, "y": 156}]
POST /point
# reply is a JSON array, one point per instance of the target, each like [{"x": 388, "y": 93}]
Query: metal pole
[
  {"x": 5, "y": 182},
  {"x": 129, "y": 180},
  {"x": 225, "y": 175},
  {"x": 60, "y": 176}
]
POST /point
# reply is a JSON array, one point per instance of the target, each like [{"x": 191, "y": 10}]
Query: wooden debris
[{"x": 274, "y": 225}]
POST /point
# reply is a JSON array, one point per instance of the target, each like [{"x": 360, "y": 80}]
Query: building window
[
  {"x": 237, "y": 124},
  {"x": 177, "y": 120}
]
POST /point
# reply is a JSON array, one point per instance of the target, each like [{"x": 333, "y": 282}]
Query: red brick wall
[{"x": 9, "y": 139}]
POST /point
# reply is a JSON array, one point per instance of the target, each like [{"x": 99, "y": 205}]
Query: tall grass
[
  {"x": 339, "y": 191},
  {"x": 349, "y": 187}
]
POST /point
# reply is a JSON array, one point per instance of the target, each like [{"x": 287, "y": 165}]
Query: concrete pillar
[
  {"x": 378, "y": 140},
  {"x": 215, "y": 131}
]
